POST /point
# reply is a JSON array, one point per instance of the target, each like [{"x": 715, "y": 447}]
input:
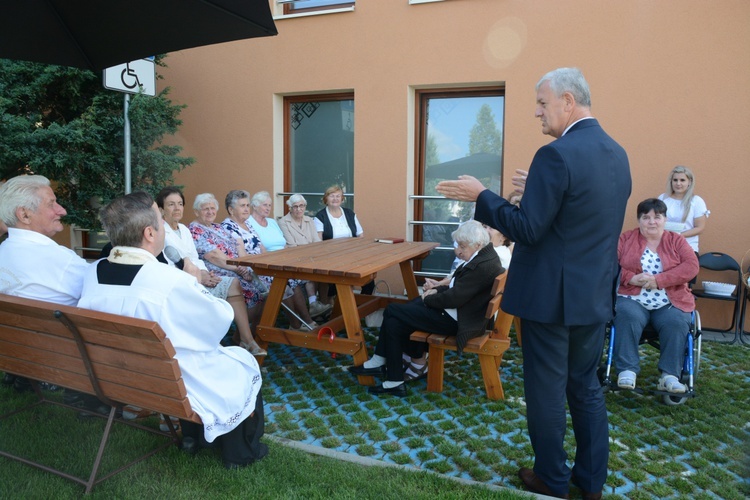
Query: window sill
[
  {"x": 314, "y": 13},
  {"x": 417, "y": 2}
]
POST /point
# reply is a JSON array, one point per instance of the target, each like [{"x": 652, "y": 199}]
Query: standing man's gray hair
[
  {"x": 20, "y": 192},
  {"x": 571, "y": 80}
]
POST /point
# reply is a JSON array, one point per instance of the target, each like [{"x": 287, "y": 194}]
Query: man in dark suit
[{"x": 562, "y": 280}]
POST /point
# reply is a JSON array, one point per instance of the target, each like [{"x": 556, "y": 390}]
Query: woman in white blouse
[
  {"x": 335, "y": 221},
  {"x": 686, "y": 211}
]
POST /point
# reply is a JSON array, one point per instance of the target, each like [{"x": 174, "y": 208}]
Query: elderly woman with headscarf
[
  {"x": 215, "y": 245},
  {"x": 454, "y": 309},
  {"x": 261, "y": 233},
  {"x": 299, "y": 229},
  {"x": 656, "y": 266},
  {"x": 171, "y": 203}
]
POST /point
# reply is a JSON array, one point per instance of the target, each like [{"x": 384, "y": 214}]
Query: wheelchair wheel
[{"x": 678, "y": 399}]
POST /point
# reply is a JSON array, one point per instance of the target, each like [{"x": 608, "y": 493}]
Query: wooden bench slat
[
  {"x": 74, "y": 367},
  {"x": 166, "y": 368}
]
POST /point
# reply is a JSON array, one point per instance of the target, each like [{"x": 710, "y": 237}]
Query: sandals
[
  {"x": 254, "y": 348},
  {"x": 670, "y": 383},
  {"x": 414, "y": 372},
  {"x": 626, "y": 380}
]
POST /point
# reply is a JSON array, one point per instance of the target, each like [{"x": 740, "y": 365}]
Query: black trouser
[
  {"x": 242, "y": 444},
  {"x": 400, "y": 320}
]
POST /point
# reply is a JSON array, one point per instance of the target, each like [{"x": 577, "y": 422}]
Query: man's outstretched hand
[{"x": 466, "y": 188}]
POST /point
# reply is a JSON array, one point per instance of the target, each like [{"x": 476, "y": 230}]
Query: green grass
[{"x": 58, "y": 438}]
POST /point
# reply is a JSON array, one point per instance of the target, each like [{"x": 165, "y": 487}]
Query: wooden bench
[
  {"x": 119, "y": 359},
  {"x": 489, "y": 347}
]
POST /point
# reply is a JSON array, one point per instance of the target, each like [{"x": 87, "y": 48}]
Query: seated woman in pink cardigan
[{"x": 656, "y": 268}]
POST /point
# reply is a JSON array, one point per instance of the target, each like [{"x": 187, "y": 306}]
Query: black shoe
[
  {"x": 399, "y": 390},
  {"x": 262, "y": 453},
  {"x": 361, "y": 370}
]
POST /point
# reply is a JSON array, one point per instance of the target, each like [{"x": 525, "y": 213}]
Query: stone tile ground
[{"x": 697, "y": 450}]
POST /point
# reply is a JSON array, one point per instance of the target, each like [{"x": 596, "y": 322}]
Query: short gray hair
[
  {"x": 204, "y": 198},
  {"x": 571, "y": 80},
  {"x": 471, "y": 233},
  {"x": 259, "y": 198},
  {"x": 125, "y": 218},
  {"x": 295, "y": 198},
  {"x": 234, "y": 196},
  {"x": 20, "y": 192}
]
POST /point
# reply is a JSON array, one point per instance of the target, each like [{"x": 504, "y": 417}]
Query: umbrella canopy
[
  {"x": 97, "y": 34},
  {"x": 479, "y": 165}
]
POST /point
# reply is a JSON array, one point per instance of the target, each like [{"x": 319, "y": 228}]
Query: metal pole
[{"x": 127, "y": 144}]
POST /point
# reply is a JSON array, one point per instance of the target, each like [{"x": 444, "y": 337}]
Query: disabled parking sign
[{"x": 133, "y": 77}]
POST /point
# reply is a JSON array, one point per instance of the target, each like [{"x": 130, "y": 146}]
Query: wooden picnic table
[{"x": 345, "y": 263}]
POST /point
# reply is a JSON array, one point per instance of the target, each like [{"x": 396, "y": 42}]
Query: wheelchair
[{"x": 651, "y": 337}]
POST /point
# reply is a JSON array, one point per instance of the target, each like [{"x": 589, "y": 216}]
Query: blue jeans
[{"x": 671, "y": 324}]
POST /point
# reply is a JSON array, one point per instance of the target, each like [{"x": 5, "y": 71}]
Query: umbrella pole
[{"x": 127, "y": 143}]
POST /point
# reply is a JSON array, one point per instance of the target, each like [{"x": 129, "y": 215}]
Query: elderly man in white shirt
[
  {"x": 223, "y": 383},
  {"x": 32, "y": 265}
]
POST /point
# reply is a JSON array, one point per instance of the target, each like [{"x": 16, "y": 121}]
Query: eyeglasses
[{"x": 299, "y": 207}]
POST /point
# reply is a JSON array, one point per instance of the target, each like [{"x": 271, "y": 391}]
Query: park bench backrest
[{"x": 120, "y": 359}]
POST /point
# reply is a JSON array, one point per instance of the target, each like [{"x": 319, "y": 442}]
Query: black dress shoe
[
  {"x": 536, "y": 485},
  {"x": 399, "y": 390},
  {"x": 586, "y": 495},
  {"x": 361, "y": 370}
]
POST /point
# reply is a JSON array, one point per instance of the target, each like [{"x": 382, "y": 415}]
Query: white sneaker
[
  {"x": 317, "y": 308},
  {"x": 670, "y": 383},
  {"x": 626, "y": 379}
]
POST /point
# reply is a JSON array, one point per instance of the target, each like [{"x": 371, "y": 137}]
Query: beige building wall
[{"x": 669, "y": 81}]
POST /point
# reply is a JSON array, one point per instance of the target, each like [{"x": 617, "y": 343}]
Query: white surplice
[
  {"x": 33, "y": 266},
  {"x": 222, "y": 382}
]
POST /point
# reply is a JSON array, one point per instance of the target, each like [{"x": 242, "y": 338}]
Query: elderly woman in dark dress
[{"x": 454, "y": 309}]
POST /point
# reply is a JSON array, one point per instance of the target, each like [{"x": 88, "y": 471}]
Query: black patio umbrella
[
  {"x": 479, "y": 165},
  {"x": 97, "y": 34}
]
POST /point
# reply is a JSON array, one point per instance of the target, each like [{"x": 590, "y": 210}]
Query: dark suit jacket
[
  {"x": 471, "y": 291},
  {"x": 566, "y": 230}
]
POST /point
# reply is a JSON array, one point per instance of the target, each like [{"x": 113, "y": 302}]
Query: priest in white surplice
[{"x": 223, "y": 383}]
